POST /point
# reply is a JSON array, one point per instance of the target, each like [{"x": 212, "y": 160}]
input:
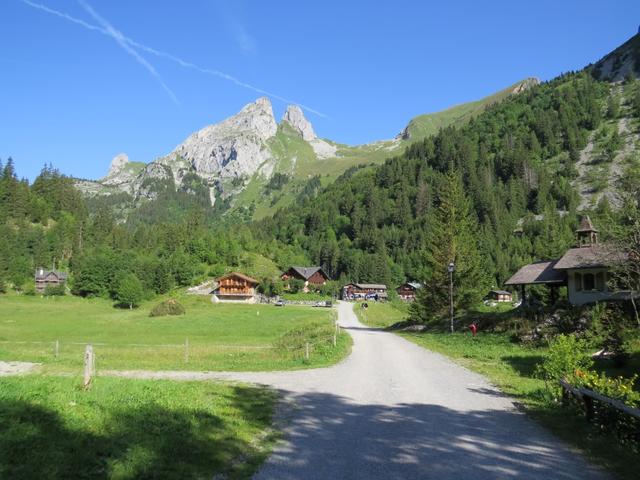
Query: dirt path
[
  {"x": 396, "y": 410},
  {"x": 16, "y": 368}
]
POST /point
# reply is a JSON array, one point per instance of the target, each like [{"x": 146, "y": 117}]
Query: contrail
[
  {"x": 120, "y": 39},
  {"x": 168, "y": 56}
]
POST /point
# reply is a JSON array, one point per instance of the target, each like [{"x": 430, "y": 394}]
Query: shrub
[
  {"x": 566, "y": 356},
  {"x": 129, "y": 292},
  {"x": 54, "y": 290},
  {"x": 28, "y": 289},
  {"x": 607, "y": 417},
  {"x": 609, "y": 329},
  {"x": 296, "y": 285},
  {"x": 168, "y": 307}
]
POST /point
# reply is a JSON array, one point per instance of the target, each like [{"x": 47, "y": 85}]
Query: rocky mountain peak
[
  {"x": 525, "y": 84},
  {"x": 257, "y": 117},
  {"x": 296, "y": 119},
  {"x": 117, "y": 163}
]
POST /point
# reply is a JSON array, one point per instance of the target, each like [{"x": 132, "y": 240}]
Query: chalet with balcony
[
  {"x": 48, "y": 278},
  {"x": 235, "y": 287},
  {"x": 313, "y": 277},
  {"x": 407, "y": 291}
]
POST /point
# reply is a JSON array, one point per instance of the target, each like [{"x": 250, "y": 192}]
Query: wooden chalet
[
  {"x": 407, "y": 291},
  {"x": 236, "y": 287},
  {"x": 500, "y": 296},
  {"x": 356, "y": 291},
  {"x": 583, "y": 270},
  {"x": 48, "y": 278},
  {"x": 313, "y": 277}
]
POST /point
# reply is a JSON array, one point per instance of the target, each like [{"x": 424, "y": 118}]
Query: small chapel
[{"x": 584, "y": 270}]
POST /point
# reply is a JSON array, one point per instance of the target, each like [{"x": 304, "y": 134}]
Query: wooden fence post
[
  {"x": 56, "y": 350},
  {"x": 186, "y": 350},
  {"x": 588, "y": 407},
  {"x": 306, "y": 351},
  {"x": 88, "y": 365}
]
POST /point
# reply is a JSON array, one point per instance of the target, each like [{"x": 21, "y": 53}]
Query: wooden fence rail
[{"x": 588, "y": 396}]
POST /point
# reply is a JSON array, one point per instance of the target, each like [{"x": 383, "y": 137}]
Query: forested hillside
[
  {"x": 515, "y": 160},
  {"x": 459, "y": 195},
  {"x": 46, "y": 224}
]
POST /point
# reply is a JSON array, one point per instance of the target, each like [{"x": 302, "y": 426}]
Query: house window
[
  {"x": 578, "y": 279},
  {"x": 589, "y": 282},
  {"x": 600, "y": 281}
]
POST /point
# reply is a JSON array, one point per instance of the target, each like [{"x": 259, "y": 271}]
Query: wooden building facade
[
  {"x": 500, "y": 296},
  {"x": 313, "y": 277},
  {"x": 360, "y": 291},
  {"x": 407, "y": 291},
  {"x": 235, "y": 286},
  {"x": 48, "y": 278}
]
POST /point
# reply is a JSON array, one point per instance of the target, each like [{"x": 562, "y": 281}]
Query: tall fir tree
[{"x": 453, "y": 237}]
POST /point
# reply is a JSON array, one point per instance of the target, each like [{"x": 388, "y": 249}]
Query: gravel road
[{"x": 394, "y": 410}]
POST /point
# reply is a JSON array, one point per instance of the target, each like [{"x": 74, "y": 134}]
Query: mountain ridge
[{"x": 250, "y": 147}]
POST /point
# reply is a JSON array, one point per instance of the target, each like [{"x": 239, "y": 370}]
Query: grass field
[
  {"x": 129, "y": 429},
  {"x": 381, "y": 315},
  {"x": 220, "y": 337}
]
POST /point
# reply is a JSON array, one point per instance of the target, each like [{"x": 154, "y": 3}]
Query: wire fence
[{"x": 154, "y": 355}]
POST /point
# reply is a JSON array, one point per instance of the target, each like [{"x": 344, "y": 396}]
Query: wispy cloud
[
  {"x": 122, "y": 41},
  {"x": 183, "y": 63},
  {"x": 243, "y": 39}
]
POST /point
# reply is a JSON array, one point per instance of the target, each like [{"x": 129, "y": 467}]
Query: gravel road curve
[{"x": 393, "y": 410}]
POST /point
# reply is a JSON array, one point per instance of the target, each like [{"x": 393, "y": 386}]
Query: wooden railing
[{"x": 588, "y": 397}]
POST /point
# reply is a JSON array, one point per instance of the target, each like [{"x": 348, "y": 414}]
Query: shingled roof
[
  {"x": 307, "y": 272},
  {"x": 596, "y": 256},
  {"x": 246, "y": 278},
  {"x": 586, "y": 225},
  {"x": 538, "y": 273},
  {"x": 42, "y": 274}
]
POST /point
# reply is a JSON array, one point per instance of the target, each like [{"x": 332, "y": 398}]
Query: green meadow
[
  {"x": 208, "y": 337},
  {"x": 50, "y": 428}
]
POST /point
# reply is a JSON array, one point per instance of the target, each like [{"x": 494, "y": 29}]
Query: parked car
[
  {"x": 280, "y": 303},
  {"x": 323, "y": 303}
]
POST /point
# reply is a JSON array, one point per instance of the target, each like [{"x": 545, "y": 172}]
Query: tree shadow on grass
[
  {"x": 524, "y": 365},
  {"x": 37, "y": 442}
]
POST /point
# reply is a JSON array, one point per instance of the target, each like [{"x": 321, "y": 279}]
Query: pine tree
[{"x": 453, "y": 237}]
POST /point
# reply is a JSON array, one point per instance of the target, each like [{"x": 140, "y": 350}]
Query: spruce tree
[{"x": 453, "y": 237}]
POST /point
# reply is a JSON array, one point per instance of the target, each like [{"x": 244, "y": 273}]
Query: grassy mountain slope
[
  {"x": 297, "y": 160},
  {"x": 428, "y": 124}
]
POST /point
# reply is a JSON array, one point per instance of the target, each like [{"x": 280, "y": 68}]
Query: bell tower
[{"x": 587, "y": 233}]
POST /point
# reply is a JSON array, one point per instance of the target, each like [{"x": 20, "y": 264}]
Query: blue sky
[{"x": 72, "y": 95}]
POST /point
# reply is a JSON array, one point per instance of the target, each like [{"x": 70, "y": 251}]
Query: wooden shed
[{"x": 500, "y": 296}]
